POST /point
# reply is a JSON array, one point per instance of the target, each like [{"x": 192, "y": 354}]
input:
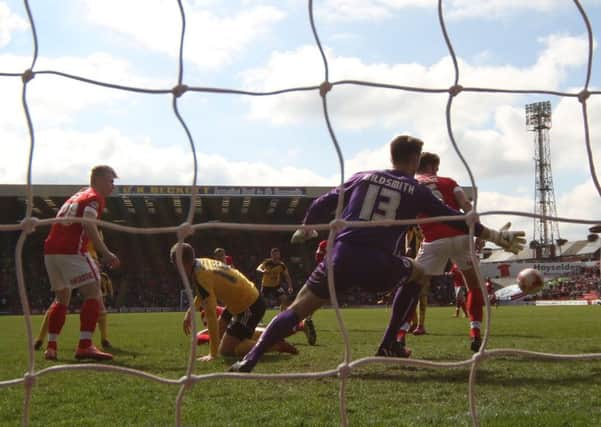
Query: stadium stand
[{"x": 146, "y": 278}]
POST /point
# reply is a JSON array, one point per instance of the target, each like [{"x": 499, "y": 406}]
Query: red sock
[
  {"x": 475, "y": 302},
  {"x": 88, "y": 316},
  {"x": 202, "y": 338},
  {"x": 57, "y": 314},
  {"x": 474, "y": 332}
]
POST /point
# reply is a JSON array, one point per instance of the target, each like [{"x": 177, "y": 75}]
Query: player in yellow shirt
[
  {"x": 275, "y": 273},
  {"x": 215, "y": 281},
  {"x": 106, "y": 288}
]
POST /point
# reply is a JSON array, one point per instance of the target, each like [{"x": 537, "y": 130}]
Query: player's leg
[
  {"x": 422, "y": 307},
  {"x": 203, "y": 337},
  {"x": 281, "y": 325},
  {"x": 42, "y": 333},
  {"x": 432, "y": 257},
  {"x": 89, "y": 312},
  {"x": 464, "y": 302},
  {"x": 102, "y": 325},
  {"x": 411, "y": 277},
  {"x": 309, "y": 330},
  {"x": 237, "y": 340},
  {"x": 283, "y": 299},
  {"x": 475, "y": 304},
  {"x": 475, "y": 299},
  {"x": 105, "y": 286},
  {"x": 57, "y": 312},
  {"x": 88, "y": 317}
]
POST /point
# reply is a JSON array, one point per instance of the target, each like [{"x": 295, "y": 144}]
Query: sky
[{"x": 283, "y": 140}]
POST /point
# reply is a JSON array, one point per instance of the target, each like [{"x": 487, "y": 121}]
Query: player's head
[
  {"x": 405, "y": 151},
  {"x": 275, "y": 254},
  {"x": 428, "y": 163},
  {"x": 187, "y": 254},
  {"x": 219, "y": 254},
  {"x": 102, "y": 179}
]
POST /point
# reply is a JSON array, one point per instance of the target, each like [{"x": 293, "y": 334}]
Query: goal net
[{"x": 322, "y": 90}]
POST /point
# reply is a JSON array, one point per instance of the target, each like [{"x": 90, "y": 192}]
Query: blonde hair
[{"x": 101, "y": 171}]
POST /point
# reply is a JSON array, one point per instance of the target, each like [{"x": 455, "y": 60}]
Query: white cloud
[
  {"x": 56, "y": 100},
  {"x": 452, "y": 9},
  {"x": 488, "y": 128},
  {"x": 583, "y": 202},
  {"x": 493, "y": 9},
  {"x": 9, "y": 23},
  {"x": 211, "y": 40},
  {"x": 66, "y": 156}
]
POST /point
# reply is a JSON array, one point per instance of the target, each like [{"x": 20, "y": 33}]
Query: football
[{"x": 530, "y": 280}]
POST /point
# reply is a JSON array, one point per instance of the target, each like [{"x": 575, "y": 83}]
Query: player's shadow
[
  {"x": 461, "y": 376},
  {"x": 117, "y": 351}
]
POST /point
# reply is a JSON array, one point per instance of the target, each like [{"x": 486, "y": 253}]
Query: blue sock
[
  {"x": 404, "y": 302},
  {"x": 280, "y": 327}
]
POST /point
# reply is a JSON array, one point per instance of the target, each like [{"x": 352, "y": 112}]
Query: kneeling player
[{"x": 214, "y": 281}]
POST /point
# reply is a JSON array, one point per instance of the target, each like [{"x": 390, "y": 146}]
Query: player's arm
[
  {"x": 461, "y": 198},
  {"x": 511, "y": 241},
  {"x": 94, "y": 235},
  {"x": 261, "y": 267},
  {"x": 209, "y": 305},
  {"x": 465, "y": 205},
  {"x": 322, "y": 209}
]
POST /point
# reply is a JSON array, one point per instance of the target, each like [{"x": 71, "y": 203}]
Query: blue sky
[{"x": 283, "y": 140}]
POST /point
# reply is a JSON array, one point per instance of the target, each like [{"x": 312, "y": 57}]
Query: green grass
[{"x": 511, "y": 391}]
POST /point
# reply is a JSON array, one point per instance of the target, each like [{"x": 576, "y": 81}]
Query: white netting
[{"x": 344, "y": 370}]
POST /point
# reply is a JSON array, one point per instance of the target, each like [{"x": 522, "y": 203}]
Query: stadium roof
[{"x": 161, "y": 205}]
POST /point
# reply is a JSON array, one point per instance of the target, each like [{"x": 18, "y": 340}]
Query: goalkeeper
[{"x": 371, "y": 257}]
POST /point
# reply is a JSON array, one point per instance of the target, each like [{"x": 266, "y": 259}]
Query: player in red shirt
[
  {"x": 442, "y": 242},
  {"x": 70, "y": 266},
  {"x": 460, "y": 291}
]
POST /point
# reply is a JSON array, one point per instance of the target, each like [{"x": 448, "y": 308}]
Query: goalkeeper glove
[
  {"x": 302, "y": 235},
  {"x": 511, "y": 241}
]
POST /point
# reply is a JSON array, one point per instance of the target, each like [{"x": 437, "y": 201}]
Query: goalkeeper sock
[
  {"x": 88, "y": 317},
  {"x": 279, "y": 327},
  {"x": 403, "y": 305}
]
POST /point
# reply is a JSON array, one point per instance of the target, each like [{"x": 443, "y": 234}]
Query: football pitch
[{"x": 510, "y": 391}]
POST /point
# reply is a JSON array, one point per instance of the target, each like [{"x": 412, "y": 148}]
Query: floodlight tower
[{"x": 538, "y": 120}]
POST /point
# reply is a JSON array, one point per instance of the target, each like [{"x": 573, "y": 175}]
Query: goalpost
[{"x": 322, "y": 89}]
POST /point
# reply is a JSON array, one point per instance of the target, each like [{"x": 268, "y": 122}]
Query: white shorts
[
  {"x": 460, "y": 294},
  {"x": 433, "y": 256},
  {"x": 71, "y": 271}
]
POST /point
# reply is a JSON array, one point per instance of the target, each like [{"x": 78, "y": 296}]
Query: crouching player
[{"x": 215, "y": 281}]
